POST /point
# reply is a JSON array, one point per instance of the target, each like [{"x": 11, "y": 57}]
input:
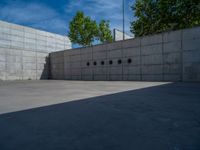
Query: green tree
[
  {"x": 154, "y": 16},
  {"x": 83, "y": 29},
  {"x": 105, "y": 34}
]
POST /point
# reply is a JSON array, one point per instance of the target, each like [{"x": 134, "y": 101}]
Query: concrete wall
[
  {"x": 169, "y": 56},
  {"x": 24, "y": 51}
]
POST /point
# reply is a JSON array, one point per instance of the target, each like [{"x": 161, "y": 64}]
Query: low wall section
[
  {"x": 169, "y": 56},
  {"x": 24, "y": 51}
]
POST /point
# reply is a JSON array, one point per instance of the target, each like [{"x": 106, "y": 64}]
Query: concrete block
[
  {"x": 115, "y": 70},
  {"x": 135, "y": 51},
  {"x": 85, "y": 50},
  {"x": 151, "y": 49},
  {"x": 191, "y": 56},
  {"x": 172, "y": 69},
  {"x": 41, "y": 66},
  {"x": 41, "y": 33},
  {"x": 115, "y": 77},
  {"x": 2, "y": 66},
  {"x": 29, "y": 66},
  {"x": 100, "y": 48},
  {"x": 4, "y": 30},
  {"x": 29, "y": 53},
  {"x": 30, "y": 46},
  {"x": 131, "y": 43},
  {"x": 152, "y": 60},
  {"x": 4, "y": 36},
  {"x": 42, "y": 55},
  {"x": 172, "y": 58},
  {"x": 87, "y": 77},
  {"x": 100, "y": 77},
  {"x": 114, "y": 45},
  {"x": 172, "y": 77},
  {"x": 3, "y": 51},
  {"x": 14, "y": 68},
  {"x": 13, "y": 77},
  {"x": 75, "y": 64},
  {"x": 13, "y": 59},
  {"x": 100, "y": 70},
  {"x": 152, "y": 69},
  {"x": 131, "y": 77},
  {"x": 151, "y": 40},
  {"x": 75, "y": 58},
  {"x": 17, "y": 33},
  {"x": 29, "y": 59},
  {"x": 76, "y": 77},
  {"x": 155, "y": 77},
  {"x": 192, "y": 33},
  {"x": 172, "y": 36},
  {"x": 86, "y": 71},
  {"x": 75, "y": 52},
  {"x": 100, "y": 55},
  {"x": 29, "y": 30},
  {"x": 30, "y": 35},
  {"x": 172, "y": 47},
  {"x": 86, "y": 57},
  {"x": 5, "y": 43},
  {"x": 13, "y": 52},
  {"x": 75, "y": 72},
  {"x": 134, "y": 70},
  {"x": 29, "y": 75},
  {"x": 2, "y": 75},
  {"x": 115, "y": 53},
  {"x": 191, "y": 72},
  {"x": 16, "y": 27},
  {"x": 193, "y": 44},
  {"x": 15, "y": 44},
  {"x": 134, "y": 61},
  {"x": 2, "y": 57},
  {"x": 17, "y": 38}
]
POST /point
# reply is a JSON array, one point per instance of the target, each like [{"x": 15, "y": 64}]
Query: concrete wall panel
[{"x": 169, "y": 56}]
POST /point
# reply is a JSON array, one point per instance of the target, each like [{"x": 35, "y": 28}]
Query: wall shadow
[
  {"x": 46, "y": 73},
  {"x": 165, "y": 117}
]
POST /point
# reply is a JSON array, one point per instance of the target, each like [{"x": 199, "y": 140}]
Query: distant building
[{"x": 118, "y": 35}]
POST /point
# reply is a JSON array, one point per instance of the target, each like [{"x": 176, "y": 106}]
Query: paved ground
[{"x": 77, "y": 115}]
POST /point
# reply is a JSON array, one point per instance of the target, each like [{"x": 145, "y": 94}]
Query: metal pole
[{"x": 123, "y": 9}]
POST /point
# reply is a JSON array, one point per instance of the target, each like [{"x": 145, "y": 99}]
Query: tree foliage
[
  {"x": 154, "y": 16},
  {"x": 84, "y": 31},
  {"x": 105, "y": 34}
]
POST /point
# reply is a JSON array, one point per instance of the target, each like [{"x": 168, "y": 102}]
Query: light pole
[{"x": 123, "y": 12}]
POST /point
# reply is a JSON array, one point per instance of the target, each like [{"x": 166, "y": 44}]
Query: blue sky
[{"x": 55, "y": 15}]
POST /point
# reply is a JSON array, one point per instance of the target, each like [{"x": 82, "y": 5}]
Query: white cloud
[
  {"x": 103, "y": 9},
  {"x": 33, "y": 14}
]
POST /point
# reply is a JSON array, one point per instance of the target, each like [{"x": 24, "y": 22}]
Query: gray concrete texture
[
  {"x": 99, "y": 115},
  {"x": 169, "y": 56},
  {"x": 24, "y": 51}
]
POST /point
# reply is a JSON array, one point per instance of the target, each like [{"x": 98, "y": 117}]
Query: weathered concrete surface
[
  {"x": 24, "y": 51},
  {"x": 168, "y": 56},
  {"x": 117, "y": 116}
]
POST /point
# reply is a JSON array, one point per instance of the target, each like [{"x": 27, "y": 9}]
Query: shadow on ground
[{"x": 165, "y": 117}]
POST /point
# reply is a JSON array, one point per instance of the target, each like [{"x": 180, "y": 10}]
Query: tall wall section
[
  {"x": 169, "y": 56},
  {"x": 24, "y": 51}
]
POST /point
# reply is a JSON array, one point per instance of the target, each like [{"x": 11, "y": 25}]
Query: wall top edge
[
  {"x": 132, "y": 39},
  {"x": 31, "y": 28}
]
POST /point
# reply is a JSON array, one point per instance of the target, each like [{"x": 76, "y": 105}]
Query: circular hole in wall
[
  {"x": 102, "y": 63},
  {"x": 110, "y": 62},
  {"x": 88, "y": 64},
  {"x": 119, "y": 61},
  {"x": 95, "y": 63},
  {"x": 129, "y": 60}
]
